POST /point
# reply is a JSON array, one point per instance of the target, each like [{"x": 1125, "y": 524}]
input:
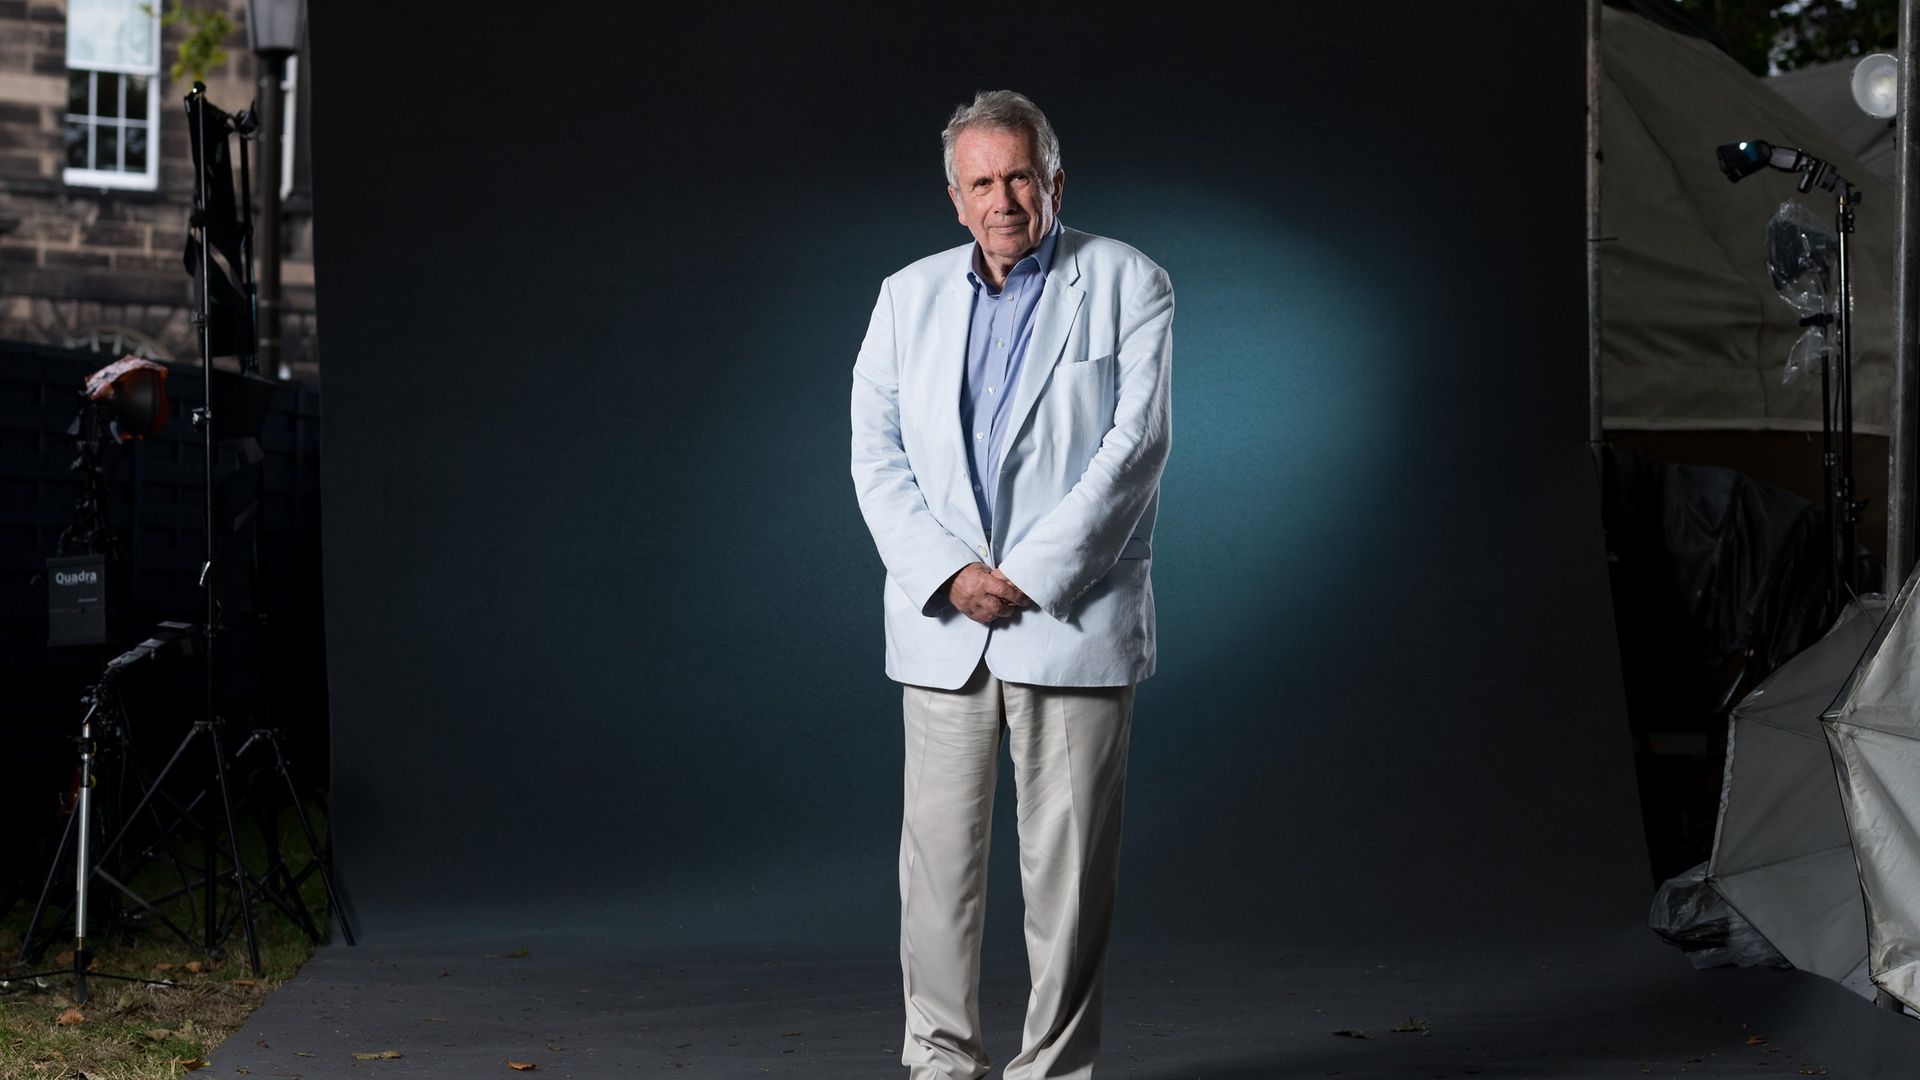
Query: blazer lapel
[
  {"x": 953, "y": 319},
  {"x": 1052, "y": 322}
]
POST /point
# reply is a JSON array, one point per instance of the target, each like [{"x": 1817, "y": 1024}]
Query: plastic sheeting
[
  {"x": 1690, "y": 916},
  {"x": 1782, "y": 854},
  {"x": 1875, "y": 740},
  {"x": 1803, "y": 259}
]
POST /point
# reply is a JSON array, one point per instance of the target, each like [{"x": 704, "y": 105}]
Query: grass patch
[{"x": 133, "y": 1031}]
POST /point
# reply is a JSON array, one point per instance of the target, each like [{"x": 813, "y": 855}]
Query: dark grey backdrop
[{"x": 604, "y": 622}]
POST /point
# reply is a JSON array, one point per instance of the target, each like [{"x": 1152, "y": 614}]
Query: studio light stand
[
  {"x": 1740, "y": 160},
  {"x": 101, "y": 724},
  {"x": 236, "y": 414},
  {"x": 233, "y": 408}
]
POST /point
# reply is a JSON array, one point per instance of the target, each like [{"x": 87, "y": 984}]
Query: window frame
[{"x": 119, "y": 178}]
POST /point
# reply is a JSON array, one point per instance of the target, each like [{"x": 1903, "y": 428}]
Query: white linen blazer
[{"x": 1079, "y": 482}]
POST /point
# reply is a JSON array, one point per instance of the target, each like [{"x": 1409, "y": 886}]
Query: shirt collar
[{"x": 1039, "y": 260}]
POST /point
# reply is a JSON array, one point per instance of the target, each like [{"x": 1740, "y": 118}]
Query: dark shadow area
[
  {"x": 274, "y": 666},
  {"x": 1717, "y": 579}
]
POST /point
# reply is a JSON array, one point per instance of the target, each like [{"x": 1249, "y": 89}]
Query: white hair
[{"x": 1005, "y": 110}]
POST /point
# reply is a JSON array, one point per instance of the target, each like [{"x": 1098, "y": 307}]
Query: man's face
[{"x": 1000, "y": 198}]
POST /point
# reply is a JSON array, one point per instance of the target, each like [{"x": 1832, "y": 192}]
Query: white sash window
[{"x": 113, "y": 94}]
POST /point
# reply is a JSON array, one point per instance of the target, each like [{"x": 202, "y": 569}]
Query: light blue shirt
[{"x": 996, "y": 348}]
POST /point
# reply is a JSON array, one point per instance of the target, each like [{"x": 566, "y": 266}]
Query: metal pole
[
  {"x": 81, "y": 954},
  {"x": 1849, "y": 508},
  {"x": 1906, "y": 323},
  {"x": 1594, "y": 418},
  {"x": 273, "y": 72},
  {"x": 208, "y": 583},
  {"x": 1906, "y": 311}
]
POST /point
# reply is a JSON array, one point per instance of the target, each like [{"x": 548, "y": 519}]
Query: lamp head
[
  {"x": 1876, "y": 85},
  {"x": 1743, "y": 159},
  {"x": 135, "y": 392},
  {"x": 273, "y": 27}
]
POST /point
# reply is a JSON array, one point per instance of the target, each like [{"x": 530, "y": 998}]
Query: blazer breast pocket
[{"x": 1086, "y": 369}]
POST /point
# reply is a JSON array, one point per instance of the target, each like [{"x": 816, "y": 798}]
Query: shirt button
[
  {"x": 979, "y": 436},
  {"x": 1002, "y": 343},
  {"x": 976, "y": 487},
  {"x": 989, "y": 389}
]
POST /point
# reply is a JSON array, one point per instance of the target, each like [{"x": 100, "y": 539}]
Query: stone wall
[{"x": 104, "y": 268}]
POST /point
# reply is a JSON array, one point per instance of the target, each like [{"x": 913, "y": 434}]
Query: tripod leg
[
  {"x": 239, "y": 867},
  {"x": 277, "y": 885},
  {"x": 46, "y": 891},
  {"x": 313, "y": 842},
  {"x": 159, "y": 778}
]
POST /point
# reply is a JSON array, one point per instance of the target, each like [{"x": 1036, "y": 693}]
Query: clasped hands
[{"x": 985, "y": 595}]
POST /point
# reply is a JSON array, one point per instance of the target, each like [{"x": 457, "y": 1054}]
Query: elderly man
[{"x": 1011, "y": 412}]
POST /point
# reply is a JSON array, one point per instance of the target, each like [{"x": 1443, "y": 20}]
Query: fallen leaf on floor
[
  {"x": 1812, "y": 1070},
  {"x": 65, "y": 959},
  {"x": 1411, "y": 1025},
  {"x": 521, "y": 1066},
  {"x": 301, "y": 1053},
  {"x": 190, "y": 1064},
  {"x": 376, "y": 1055},
  {"x": 193, "y": 967},
  {"x": 158, "y": 1034},
  {"x": 788, "y": 1034},
  {"x": 245, "y": 982},
  {"x": 1352, "y": 1033},
  {"x": 1756, "y": 1040},
  {"x": 71, "y": 1017},
  {"x": 164, "y": 967},
  {"x": 262, "y": 1044},
  {"x": 555, "y": 1047},
  {"x": 517, "y": 954}
]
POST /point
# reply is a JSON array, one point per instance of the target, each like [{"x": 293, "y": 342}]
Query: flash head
[{"x": 1742, "y": 159}]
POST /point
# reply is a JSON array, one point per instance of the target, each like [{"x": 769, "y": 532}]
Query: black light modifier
[{"x": 1740, "y": 160}]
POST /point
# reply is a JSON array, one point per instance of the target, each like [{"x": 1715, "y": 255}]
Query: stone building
[{"x": 93, "y": 223}]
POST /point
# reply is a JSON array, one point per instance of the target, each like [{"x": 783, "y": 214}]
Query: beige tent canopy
[{"x": 1694, "y": 337}]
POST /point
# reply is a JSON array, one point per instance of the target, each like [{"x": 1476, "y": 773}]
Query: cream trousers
[{"x": 1069, "y": 750}]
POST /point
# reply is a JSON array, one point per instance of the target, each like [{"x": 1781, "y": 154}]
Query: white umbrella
[
  {"x": 1875, "y": 738},
  {"x": 1782, "y": 855}
]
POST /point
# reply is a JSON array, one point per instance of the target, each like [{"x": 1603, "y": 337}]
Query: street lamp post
[{"x": 273, "y": 33}]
